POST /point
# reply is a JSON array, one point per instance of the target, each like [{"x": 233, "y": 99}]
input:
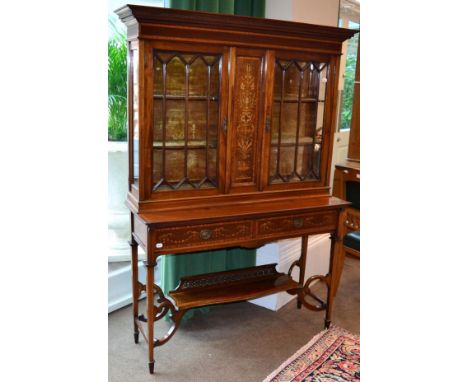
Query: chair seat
[{"x": 352, "y": 240}]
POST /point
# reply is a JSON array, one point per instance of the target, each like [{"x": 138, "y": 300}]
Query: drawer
[
  {"x": 292, "y": 224},
  {"x": 203, "y": 234}
]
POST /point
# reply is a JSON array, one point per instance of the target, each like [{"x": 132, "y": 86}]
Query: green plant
[
  {"x": 348, "y": 90},
  {"x": 117, "y": 86}
]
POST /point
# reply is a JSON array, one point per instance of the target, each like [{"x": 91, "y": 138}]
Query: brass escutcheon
[
  {"x": 205, "y": 234},
  {"x": 298, "y": 222}
]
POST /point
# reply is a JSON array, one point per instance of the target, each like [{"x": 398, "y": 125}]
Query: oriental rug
[{"x": 331, "y": 356}]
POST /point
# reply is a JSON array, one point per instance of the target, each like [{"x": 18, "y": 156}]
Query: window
[
  {"x": 118, "y": 214},
  {"x": 349, "y": 18}
]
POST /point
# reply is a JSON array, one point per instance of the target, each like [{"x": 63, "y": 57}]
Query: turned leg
[
  {"x": 150, "y": 312},
  {"x": 302, "y": 265},
  {"x": 135, "y": 288}
]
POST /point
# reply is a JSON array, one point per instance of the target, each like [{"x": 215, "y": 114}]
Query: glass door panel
[
  {"x": 299, "y": 94},
  {"x": 135, "y": 122},
  {"x": 186, "y": 112}
]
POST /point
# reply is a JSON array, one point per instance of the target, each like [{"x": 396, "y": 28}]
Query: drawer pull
[
  {"x": 206, "y": 234},
  {"x": 298, "y": 222}
]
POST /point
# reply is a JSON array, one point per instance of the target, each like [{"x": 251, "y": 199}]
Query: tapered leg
[
  {"x": 302, "y": 264},
  {"x": 336, "y": 267},
  {"x": 331, "y": 275},
  {"x": 135, "y": 288},
  {"x": 150, "y": 312},
  {"x": 338, "y": 251}
]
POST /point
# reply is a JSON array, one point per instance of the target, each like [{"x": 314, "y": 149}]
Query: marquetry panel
[
  {"x": 245, "y": 121},
  {"x": 202, "y": 234},
  {"x": 288, "y": 224}
]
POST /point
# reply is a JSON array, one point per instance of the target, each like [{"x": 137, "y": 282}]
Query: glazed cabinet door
[
  {"x": 297, "y": 139},
  {"x": 246, "y": 119},
  {"x": 189, "y": 100},
  {"x": 133, "y": 102}
]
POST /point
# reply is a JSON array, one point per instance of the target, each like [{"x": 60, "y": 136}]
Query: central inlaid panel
[{"x": 245, "y": 121}]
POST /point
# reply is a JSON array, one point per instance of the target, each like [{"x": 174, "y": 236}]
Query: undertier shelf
[{"x": 230, "y": 286}]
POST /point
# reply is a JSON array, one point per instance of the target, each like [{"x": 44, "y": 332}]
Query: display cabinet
[{"x": 230, "y": 142}]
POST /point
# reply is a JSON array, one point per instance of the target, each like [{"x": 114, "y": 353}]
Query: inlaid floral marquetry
[
  {"x": 291, "y": 223},
  {"x": 186, "y": 236},
  {"x": 246, "y": 118}
]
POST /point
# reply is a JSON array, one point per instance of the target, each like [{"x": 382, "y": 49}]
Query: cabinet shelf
[
  {"x": 182, "y": 97},
  {"x": 291, "y": 141},
  {"x": 174, "y": 145},
  {"x": 295, "y": 99},
  {"x": 231, "y": 286}
]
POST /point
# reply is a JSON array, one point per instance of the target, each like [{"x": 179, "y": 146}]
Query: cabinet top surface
[
  {"x": 242, "y": 210},
  {"x": 129, "y": 14}
]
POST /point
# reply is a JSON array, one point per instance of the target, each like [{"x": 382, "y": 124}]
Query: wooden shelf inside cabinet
[
  {"x": 291, "y": 141},
  {"x": 293, "y": 99},
  {"x": 230, "y": 286},
  {"x": 191, "y": 144},
  {"x": 183, "y": 98}
]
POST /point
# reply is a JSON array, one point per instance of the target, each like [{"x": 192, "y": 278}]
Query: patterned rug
[{"x": 331, "y": 356}]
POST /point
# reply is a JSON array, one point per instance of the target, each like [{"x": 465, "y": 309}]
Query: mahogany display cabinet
[{"x": 230, "y": 135}]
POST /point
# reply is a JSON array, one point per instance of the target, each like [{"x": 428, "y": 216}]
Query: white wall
[
  {"x": 279, "y": 9},
  {"x": 284, "y": 253},
  {"x": 322, "y": 12}
]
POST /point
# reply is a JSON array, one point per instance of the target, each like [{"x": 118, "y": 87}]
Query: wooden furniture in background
[
  {"x": 354, "y": 150},
  {"x": 230, "y": 144},
  {"x": 346, "y": 185}
]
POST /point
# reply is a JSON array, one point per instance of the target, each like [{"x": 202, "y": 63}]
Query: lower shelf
[{"x": 230, "y": 286}]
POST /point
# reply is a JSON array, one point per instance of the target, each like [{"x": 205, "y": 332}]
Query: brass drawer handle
[
  {"x": 298, "y": 222},
  {"x": 206, "y": 234}
]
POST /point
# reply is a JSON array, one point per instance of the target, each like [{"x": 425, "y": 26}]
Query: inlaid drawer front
[
  {"x": 204, "y": 233},
  {"x": 320, "y": 221}
]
